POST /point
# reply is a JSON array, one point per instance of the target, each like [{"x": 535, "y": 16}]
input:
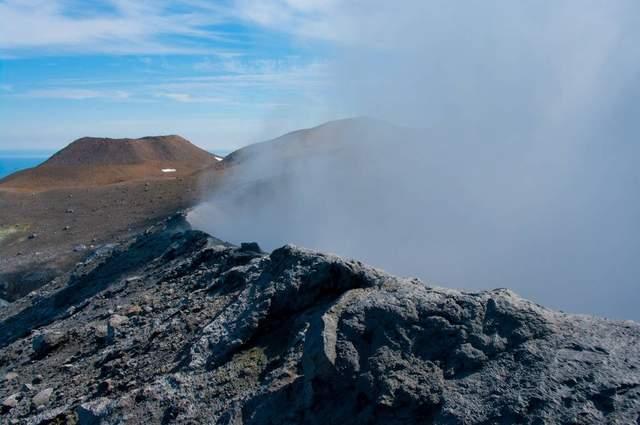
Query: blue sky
[{"x": 221, "y": 73}]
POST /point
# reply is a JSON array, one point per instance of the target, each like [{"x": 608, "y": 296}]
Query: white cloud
[{"x": 263, "y": 73}]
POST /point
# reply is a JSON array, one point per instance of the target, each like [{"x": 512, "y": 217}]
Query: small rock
[
  {"x": 117, "y": 320},
  {"x": 10, "y": 402},
  {"x": 105, "y": 386},
  {"x": 26, "y": 388},
  {"x": 33, "y": 236},
  {"x": 10, "y": 376},
  {"x": 44, "y": 343},
  {"x": 65, "y": 228},
  {"x": 37, "y": 379},
  {"x": 133, "y": 310},
  {"x": 79, "y": 248},
  {"x": 42, "y": 398},
  {"x": 69, "y": 211},
  {"x": 102, "y": 334},
  {"x": 92, "y": 412}
]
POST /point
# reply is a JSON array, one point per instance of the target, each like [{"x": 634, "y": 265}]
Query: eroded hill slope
[{"x": 92, "y": 161}]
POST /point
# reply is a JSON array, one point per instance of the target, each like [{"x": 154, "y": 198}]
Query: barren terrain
[{"x": 90, "y": 195}]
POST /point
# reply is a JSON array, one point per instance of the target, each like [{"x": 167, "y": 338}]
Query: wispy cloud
[
  {"x": 76, "y": 94},
  {"x": 117, "y": 26},
  {"x": 190, "y": 98},
  {"x": 148, "y": 27},
  {"x": 240, "y": 83}
]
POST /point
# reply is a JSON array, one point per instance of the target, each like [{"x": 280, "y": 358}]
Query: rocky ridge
[{"x": 175, "y": 326}]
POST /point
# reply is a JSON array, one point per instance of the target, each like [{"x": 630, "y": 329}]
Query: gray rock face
[{"x": 176, "y": 327}]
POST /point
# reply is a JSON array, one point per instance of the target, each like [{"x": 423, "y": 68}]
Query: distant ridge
[
  {"x": 92, "y": 161},
  {"x": 300, "y": 142},
  {"x": 323, "y": 139}
]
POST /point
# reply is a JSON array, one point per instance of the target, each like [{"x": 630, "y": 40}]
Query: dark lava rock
[
  {"x": 227, "y": 335},
  {"x": 46, "y": 342},
  {"x": 250, "y": 247}
]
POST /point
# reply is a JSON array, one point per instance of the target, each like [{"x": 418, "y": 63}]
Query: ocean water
[{"x": 12, "y": 161}]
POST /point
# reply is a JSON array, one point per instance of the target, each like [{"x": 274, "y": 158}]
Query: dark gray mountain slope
[{"x": 177, "y": 327}]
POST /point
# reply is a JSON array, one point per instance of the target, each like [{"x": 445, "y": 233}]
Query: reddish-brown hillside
[{"x": 99, "y": 161}]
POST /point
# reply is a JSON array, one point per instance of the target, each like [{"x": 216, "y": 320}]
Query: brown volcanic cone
[{"x": 94, "y": 161}]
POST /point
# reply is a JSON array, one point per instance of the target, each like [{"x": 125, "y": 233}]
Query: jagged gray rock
[
  {"x": 42, "y": 398},
  {"x": 178, "y": 327}
]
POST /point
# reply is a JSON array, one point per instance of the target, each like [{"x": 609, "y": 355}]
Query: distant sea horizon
[{"x": 16, "y": 160}]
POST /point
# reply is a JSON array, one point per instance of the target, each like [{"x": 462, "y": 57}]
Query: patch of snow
[{"x": 169, "y": 170}]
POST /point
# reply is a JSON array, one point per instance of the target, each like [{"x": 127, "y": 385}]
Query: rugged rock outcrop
[{"x": 178, "y": 327}]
